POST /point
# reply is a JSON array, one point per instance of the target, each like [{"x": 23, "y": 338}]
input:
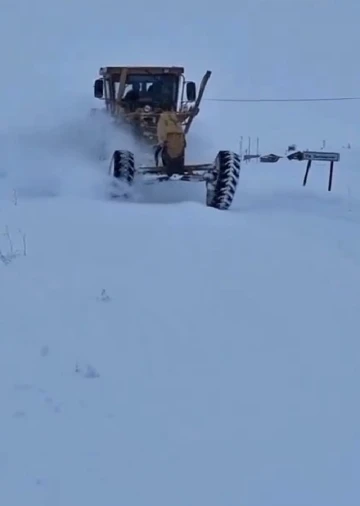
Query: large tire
[
  {"x": 122, "y": 166},
  {"x": 221, "y": 191}
]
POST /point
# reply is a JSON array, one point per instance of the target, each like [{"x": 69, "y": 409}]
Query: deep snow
[{"x": 157, "y": 351}]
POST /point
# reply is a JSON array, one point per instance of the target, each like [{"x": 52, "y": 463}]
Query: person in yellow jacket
[
  {"x": 169, "y": 123},
  {"x": 171, "y": 138}
]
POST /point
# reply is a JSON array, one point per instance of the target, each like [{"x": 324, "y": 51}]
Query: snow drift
[{"x": 161, "y": 352}]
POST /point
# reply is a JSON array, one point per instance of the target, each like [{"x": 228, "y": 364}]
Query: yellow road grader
[{"x": 158, "y": 106}]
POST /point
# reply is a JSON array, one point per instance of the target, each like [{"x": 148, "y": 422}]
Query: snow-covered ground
[{"x": 157, "y": 351}]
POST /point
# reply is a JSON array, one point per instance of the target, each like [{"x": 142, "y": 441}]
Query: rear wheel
[{"x": 220, "y": 192}]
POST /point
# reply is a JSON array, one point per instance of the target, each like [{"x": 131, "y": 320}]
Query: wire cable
[{"x": 325, "y": 99}]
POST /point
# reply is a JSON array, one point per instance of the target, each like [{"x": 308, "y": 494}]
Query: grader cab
[
  {"x": 159, "y": 105},
  {"x": 139, "y": 95}
]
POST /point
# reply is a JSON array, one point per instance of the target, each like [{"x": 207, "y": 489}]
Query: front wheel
[
  {"x": 122, "y": 166},
  {"x": 220, "y": 192}
]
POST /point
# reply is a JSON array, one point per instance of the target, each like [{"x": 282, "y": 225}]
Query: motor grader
[{"x": 158, "y": 106}]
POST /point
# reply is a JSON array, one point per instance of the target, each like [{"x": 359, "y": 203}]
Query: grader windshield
[{"x": 151, "y": 88}]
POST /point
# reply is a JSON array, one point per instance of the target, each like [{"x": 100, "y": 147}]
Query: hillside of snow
[{"x": 156, "y": 351}]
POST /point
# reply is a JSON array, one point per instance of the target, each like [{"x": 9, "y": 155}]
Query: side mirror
[
  {"x": 191, "y": 91},
  {"x": 99, "y": 88}
]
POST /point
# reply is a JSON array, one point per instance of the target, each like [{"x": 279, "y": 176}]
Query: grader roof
[{"x": 115, "y": 72}]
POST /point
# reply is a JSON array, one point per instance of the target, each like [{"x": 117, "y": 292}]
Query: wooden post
[
  {"x": 331, "y": 173},
  {"x": 307, "y": 172}
]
